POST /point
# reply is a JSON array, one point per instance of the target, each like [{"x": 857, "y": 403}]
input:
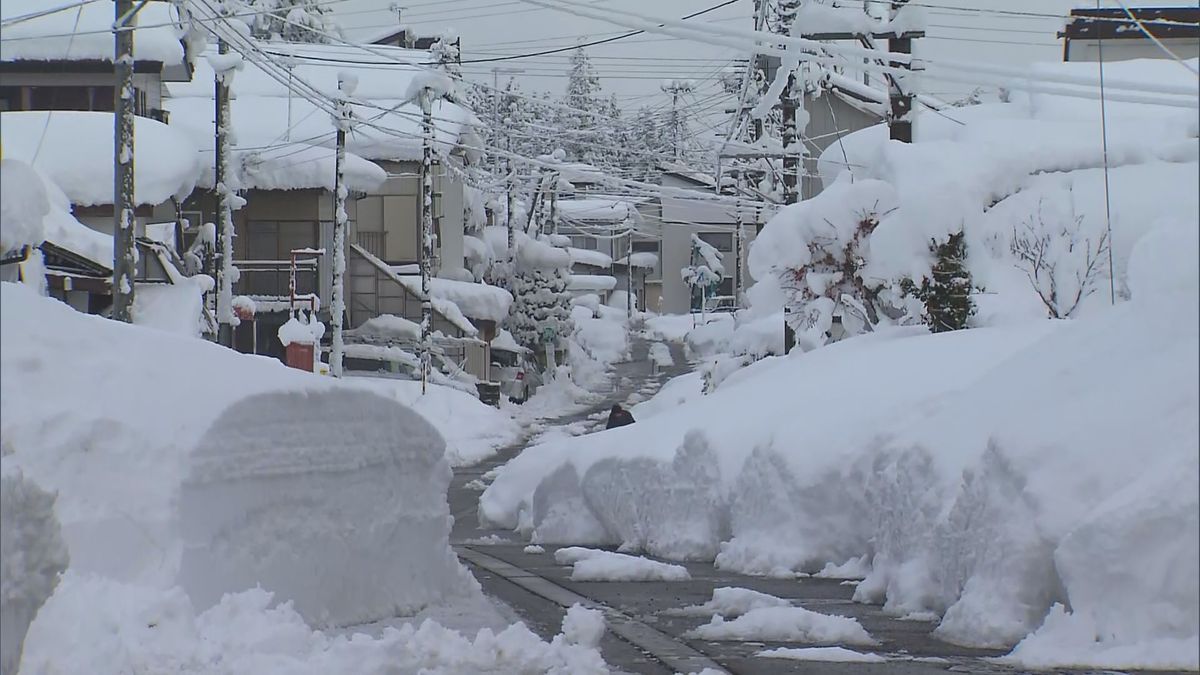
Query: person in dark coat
[{"x": 619, "y": 417}]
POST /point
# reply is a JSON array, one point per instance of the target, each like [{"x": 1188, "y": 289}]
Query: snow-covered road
[{"x": 647, "y": 632}]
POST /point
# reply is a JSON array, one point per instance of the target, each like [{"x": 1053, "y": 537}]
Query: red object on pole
[{"x": 299, "y": 355}]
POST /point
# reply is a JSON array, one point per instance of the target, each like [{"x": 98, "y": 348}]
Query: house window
[
  {"x": 73, "y": 98},
  {"x": 10, "y": 98},
  {"x": 588, "y": 243},
  {"x": 722, "y": 241}
]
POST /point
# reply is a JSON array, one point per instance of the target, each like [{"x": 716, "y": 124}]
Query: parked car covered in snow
[{"x": 514, "y": 368}]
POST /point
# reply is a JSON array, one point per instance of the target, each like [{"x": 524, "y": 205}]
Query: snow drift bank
[
  {"x": 993, "y": 476},
  {"x": 96, "y": 625},
  {"x": 177, "y": 462}
]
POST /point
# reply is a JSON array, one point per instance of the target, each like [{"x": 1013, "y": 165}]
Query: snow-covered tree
[
  {"x": 541, "y": 311},
  {"x": 581, "y": 126},
  {"x": 706, "y": 270},
  {"x": 292, "y": 20}
]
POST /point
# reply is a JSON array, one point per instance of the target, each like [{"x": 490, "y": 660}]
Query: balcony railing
[{"x": 272, "y": 278}]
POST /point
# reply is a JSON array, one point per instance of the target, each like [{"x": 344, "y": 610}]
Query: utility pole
[
  {"x": 426, "y": 100},
  {"x": 496, "y": 108},
  {"x": 789, "y": 134},
  {"x": 900, "y": 96},
  {"x": 337, "y": 309},
  {"x": 225, "y": 317},
  {"x": 511, "y": 205},
  {"x": 629, "y": 273},
  {"x": 738, "y": 241},
  {"x": 676, "y": 88},
  {"x": 124, "y": 218}
]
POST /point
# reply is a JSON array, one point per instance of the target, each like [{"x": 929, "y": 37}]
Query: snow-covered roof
[
  {"x": 505, "y": 341},
  {"x": 641, "y": 260},
  {"x": 476, "y": 301},
  {"x": 389, "y": 327},
  {"x": 597, "y": 210},
  {"x": 83, "y": 32},
  {"x": 297, "y": 166},
  {"x": 266, "y": 113},
  {"x": 589, "y": 257},
  {"x": 591, "y": 282},
  {"x": 75, "y": 151}
]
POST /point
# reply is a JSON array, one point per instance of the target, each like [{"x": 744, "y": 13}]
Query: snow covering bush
[
  {"x": 827, "y": 258},
  {"x": 1034, "y": 483},
  {"x": 32, "y": 555},
  {"x": 93, "y": 624},
  {"x": 235, "y": 471}
]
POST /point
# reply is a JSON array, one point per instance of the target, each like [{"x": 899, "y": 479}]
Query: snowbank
[
  {"x": 233, "y": 457},
  {"x": 176, "y": 308},
  {"x": 987, "y": 474},
  {"x": 94, "y": 624},
  {"x": 33, "y": 555},
  {"x": 75, "y": 151}
]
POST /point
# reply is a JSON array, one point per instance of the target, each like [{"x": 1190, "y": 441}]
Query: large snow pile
[
  {"x": 36, "y": 210},
  {"x": 98, "y": 625},
  {"x": 989, "y": 475},
  {"x": 1004, "y": 174},
  {"x": 32, "y": 555},
  {"x": 282, "y": 477}
]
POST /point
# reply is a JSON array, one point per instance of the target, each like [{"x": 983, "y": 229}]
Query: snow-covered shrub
[
  {"x": 819, "y": 252},
  {"x": 1064, "y": 263},
  {"x": 33, "y": 555}
]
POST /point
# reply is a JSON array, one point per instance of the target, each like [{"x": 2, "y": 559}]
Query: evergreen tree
[
  {"x": 947, "y": 292},
  {"x": 541, "y": 309},
  {"x": 583, "y": 96},
  {"x": 292, "y": 20}
]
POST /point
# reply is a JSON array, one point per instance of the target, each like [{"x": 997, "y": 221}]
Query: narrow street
[{"x": 642, "y": 637}]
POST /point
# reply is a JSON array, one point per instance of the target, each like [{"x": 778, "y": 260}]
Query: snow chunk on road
[
  {"x": 583, "y": 626},
  {"x": 595, "y": 565},
  {"x": 833, "y": 654},
  {"x": 120, "y": 628},
  {"x": 785, "y": 624},
  {"x": 730, "y": 602}
]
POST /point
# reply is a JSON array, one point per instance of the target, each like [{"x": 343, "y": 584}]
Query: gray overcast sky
[{"x": 634, "y": 67}]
